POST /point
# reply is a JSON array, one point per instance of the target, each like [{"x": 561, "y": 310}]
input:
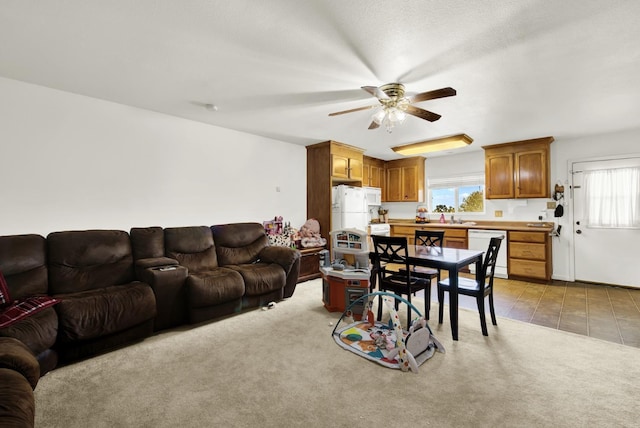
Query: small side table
[{"x": 309, "y": 263}]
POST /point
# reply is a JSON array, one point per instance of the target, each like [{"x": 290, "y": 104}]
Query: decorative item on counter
[
  {"x": 442, "y": 219},
  {"x": 421, "y": 214},
  {"x": 384, "y": 215}
]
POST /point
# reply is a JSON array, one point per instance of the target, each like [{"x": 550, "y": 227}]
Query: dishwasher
[{"x": 479, "y": 240}]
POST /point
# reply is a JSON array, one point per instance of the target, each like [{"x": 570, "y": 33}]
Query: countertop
[{"x": 482, "y": 224}]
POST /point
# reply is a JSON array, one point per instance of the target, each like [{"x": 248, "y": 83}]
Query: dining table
[{"x": 448, "y": 259}]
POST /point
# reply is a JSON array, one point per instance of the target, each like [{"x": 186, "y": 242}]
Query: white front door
[{"x": 604, "y": 252}]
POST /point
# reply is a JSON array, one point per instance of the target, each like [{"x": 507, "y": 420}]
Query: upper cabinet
[
  {"x": 328, "y": 164},
  {"x": 519, "y": 169},
  {"x": 346, "y": 163},
  {"x": 405, "y": 180},
  {"x": 373, "y": 172}
]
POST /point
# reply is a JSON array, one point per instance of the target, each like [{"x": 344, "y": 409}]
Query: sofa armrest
[
  {"x": 156, "y": 262},
  {"x": 168, "y": 284},
  {"x": 16, "y": 356},
  {"x": 289, "y": 259},
  {"x": 284, "y": 256}
]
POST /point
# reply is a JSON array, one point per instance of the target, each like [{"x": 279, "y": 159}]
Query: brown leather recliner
[
  {"x": 23, "y": 263},
  {"x": 101, "y": 306},
  {"x": 19, "y": 375},
  {"x": 211, "y": 290},
  {"x": 270, "y": 273}
]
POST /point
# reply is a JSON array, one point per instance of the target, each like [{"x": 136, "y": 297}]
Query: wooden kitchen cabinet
[
  {"x": 346, "y": 163},
  {"x": 529, "y": 255},
  {"x": 453, "y": 237},
  {"x": 328, "y": 164},
  {"x": 373, "y": 175},
  {"x": 405, "y": 180},
  {"x": 520, "y": 169}
]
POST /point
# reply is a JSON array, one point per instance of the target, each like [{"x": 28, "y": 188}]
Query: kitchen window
[{"x": 457, "y": 194}]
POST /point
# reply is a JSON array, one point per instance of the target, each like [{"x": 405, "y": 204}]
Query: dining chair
[
  {"x": 392, "y": 250},
  {"x": 471, "y": 287},
  {"x": 427, "y": 238}
]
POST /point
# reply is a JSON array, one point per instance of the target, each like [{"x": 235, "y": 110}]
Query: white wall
[
  {"x": 73, "y": 162},
  {"x": 563, "y": 151}
]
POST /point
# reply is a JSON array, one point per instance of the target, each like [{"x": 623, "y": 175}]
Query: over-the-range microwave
[{"x": 373, "y": 196}]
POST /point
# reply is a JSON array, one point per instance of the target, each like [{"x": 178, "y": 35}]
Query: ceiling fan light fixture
[
  {"x": 434, "y": 145},
  {"x": 379, "y": 115},
  {"x": 389, "y": 116}
]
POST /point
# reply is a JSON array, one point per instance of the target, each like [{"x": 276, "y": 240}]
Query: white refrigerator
[{"x": 349, "y": 208}]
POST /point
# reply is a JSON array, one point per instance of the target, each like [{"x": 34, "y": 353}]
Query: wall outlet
[
  {"x": 551, "y": 205},
  {"x": 498, "y": 213}
]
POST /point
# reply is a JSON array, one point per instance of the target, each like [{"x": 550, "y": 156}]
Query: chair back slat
[
  {"x": 490, "y": 259},
  {"x": 390, "y": 249},
  {"x": 429, "y": 238}
]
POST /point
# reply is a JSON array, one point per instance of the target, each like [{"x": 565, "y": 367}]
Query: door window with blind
[{"x": 458, "y": 194}]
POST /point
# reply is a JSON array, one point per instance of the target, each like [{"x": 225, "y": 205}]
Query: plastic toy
[{"x": 384, "y": 341}]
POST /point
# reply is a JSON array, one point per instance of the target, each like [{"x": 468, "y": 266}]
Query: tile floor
[{"x": 604, "y": 312}]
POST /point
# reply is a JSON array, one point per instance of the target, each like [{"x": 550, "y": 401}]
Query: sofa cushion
[
  {"x": 147, "y": 242},
  {"x": 192, "y": 247},
  {"x": 239, "y": 243},
  {"x": 97, "y": 313},
  {"x": 88, "y": 260},
  {"x": 214, "y": 287},
  {"x": 261, "y": 278},
  {"x": 38, "y": 332},
  {"x": 23, "y": 262},
  {"x": 19, "y": 310}
]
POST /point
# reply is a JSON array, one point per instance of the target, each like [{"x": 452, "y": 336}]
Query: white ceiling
[{"x": 277, "y": 68}]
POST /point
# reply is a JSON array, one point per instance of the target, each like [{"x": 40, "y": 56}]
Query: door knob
[
  {"x": 578, "y": 231},
  {"x": 578, "y": 222}
]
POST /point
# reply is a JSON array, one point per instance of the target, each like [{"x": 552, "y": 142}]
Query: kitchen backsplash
[{"x": 512, "y": 210}]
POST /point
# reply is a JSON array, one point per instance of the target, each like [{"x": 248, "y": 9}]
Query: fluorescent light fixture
[{"x": 435, "y": 145}]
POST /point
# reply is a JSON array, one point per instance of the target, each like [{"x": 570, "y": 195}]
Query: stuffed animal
[{"x": 310, "y": 234}]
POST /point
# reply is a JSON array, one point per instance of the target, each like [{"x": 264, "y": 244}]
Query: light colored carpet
[{"x": 281, "y": 368}]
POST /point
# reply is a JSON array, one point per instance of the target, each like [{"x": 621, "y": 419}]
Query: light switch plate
[
  {"x": 551, "y": 205},
  {"x": 498, "y": 213}
]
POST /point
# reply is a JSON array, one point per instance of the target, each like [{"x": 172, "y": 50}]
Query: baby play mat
[{"x": 383, "y": 340}]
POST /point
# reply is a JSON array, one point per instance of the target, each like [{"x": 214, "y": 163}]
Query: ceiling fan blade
[
  {"x": 422, "y": 113},
  {"x": 438, "y": 93},
  {"x": 374, "y": 125},
  {"x": 376, "y": 92},
  {"x": 352, "y": 110}
]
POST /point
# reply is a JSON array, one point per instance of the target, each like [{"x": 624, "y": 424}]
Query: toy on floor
[{"x": 384, "y": 341}]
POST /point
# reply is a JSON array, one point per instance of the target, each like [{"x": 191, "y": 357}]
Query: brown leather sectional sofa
[{"x": 116, "y": 287}]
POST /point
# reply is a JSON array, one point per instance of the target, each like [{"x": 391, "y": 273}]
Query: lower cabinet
[
  {"x": 453, "y": 237},
  {"x": 309, "y": 263},
  {"x": 529, "y": 255}
]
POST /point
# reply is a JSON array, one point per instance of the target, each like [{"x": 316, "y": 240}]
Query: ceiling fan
[{"x": 394, "y": 106}]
